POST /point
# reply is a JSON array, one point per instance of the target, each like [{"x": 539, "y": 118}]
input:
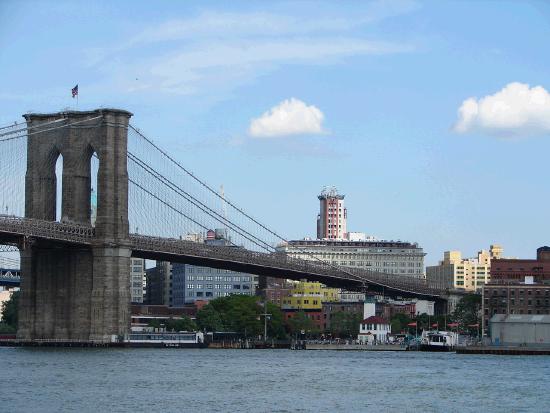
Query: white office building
[{"x": 392, "y": 257}]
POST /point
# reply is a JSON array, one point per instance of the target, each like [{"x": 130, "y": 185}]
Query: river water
[{"x": 196, "y": 380}]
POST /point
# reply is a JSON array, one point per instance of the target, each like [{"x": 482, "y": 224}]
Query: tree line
[{"x": 244, "y": 315}]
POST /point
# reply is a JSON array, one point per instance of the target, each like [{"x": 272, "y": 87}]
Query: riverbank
[
  {"x": 354, "y": 347},
  {"x": 505, "y": 351}
]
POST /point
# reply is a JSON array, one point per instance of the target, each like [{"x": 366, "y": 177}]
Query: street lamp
[{"x": 265, "y": 315}]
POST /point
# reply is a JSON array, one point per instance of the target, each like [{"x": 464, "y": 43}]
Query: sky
[{"x": 433, "y": 118}]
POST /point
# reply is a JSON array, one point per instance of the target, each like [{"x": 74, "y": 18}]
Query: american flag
[{"x": 74, "y": 91}]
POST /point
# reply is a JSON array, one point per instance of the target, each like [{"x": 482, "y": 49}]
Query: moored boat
[
  {"x": 438, "y": 341},
  {"x": 165, "y": 339}
]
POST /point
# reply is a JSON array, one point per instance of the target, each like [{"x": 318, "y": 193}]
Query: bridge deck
[{"x": 13, "y": 230}]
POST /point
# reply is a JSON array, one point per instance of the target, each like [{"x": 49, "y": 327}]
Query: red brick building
[
  {"x": 388, "y": 310},
  {"x": 518, "y": 286},
  {"x": 330, "y": 308},
  {"x": 515, "y": 270},
  {"x": 276, "y": 289},
  {"x": 315, "y": 316}
]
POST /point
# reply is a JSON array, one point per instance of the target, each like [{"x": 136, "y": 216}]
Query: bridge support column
[
  {"x": 27, "y": 307},
  {"x": 110, "y": 294},
  {"x": 55, "y": 294},
  {"x": 77, "y": 292}
]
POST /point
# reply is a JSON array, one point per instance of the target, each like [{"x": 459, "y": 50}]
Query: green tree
[
  {"x": 154, "y": 323},
  {"x": 399, "y": 322},
  {"x": 209, "y": 319},
  {"x": 345, "y": 324},
  {"x": 181, "y": 324},
  {"x": 468, "y": 311},
  {"x": 275, "y": 324},
  {"x": 10, "y": 311},
  {"x": 301, "y": 322},
  {"x": 241, "y": 314}
]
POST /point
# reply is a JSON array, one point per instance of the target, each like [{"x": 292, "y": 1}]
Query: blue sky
[{"x": 372, "y": 89}]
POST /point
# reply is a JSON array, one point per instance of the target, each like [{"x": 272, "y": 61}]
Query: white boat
[
  {"x": 165, "y": 339},
  {"x": 438, "y": 341}
]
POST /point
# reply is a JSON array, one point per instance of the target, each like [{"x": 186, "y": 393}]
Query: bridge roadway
[{"x": 19, "y": 231}]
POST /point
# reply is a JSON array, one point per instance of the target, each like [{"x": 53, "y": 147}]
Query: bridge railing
[
  {"x": 60, "y": 231},
  {"x": 282, "y": 261}
]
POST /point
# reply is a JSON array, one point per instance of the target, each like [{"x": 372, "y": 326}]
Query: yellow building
[
  {"x": 470, "y": 274},
  {"x": 309, "y": 296}
]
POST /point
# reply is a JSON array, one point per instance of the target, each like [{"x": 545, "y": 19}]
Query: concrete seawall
[{"x": 356, "y": 347}]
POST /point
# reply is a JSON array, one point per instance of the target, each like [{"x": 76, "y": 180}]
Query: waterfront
[{"x": 127, "y": 380}]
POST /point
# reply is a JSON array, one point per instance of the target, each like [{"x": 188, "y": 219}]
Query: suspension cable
[
  {"x": 206, "y": 185},
  {"x": 202, "y": 183},
  {"x": 23, "y": 135},
  {"x": 180, "y": 212},
  {"x": 26, "y": 128},
  {"x": 202, "y": 206}
]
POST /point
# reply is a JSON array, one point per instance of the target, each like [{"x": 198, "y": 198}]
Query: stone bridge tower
[{"x": 77, "y": 293}]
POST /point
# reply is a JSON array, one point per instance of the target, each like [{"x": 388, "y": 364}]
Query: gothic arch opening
[
  {"x": 94, "y": 187},
  {"x": 58, "y": 194}
]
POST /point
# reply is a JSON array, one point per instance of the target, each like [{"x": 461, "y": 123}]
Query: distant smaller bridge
[{"x": 10, "y": 277}]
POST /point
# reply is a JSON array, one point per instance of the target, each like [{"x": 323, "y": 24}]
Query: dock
[{"x": 354, "y": 347}]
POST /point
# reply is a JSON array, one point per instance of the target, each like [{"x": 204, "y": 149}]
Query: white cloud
[
  {"x": 213, "y": 53},
  {"x": 516, "y": 110},
  {"x": 290, "y": 117}
]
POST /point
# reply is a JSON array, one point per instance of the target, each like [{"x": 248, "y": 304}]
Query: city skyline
[{"x": 373, "y": 90}]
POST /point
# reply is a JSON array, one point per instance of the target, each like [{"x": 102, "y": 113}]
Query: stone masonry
[{"x": 77, "y": 293}]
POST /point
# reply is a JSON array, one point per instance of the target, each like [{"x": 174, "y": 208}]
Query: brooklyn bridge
[{"x": 122, "y": 196}]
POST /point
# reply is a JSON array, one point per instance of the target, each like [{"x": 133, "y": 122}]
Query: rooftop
[
  {"x": 346, "y": 243},
  {"x": 330, "y": 192},
  {"x": 521, "y": 318},
  {"x": 373, "y": 319}
]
